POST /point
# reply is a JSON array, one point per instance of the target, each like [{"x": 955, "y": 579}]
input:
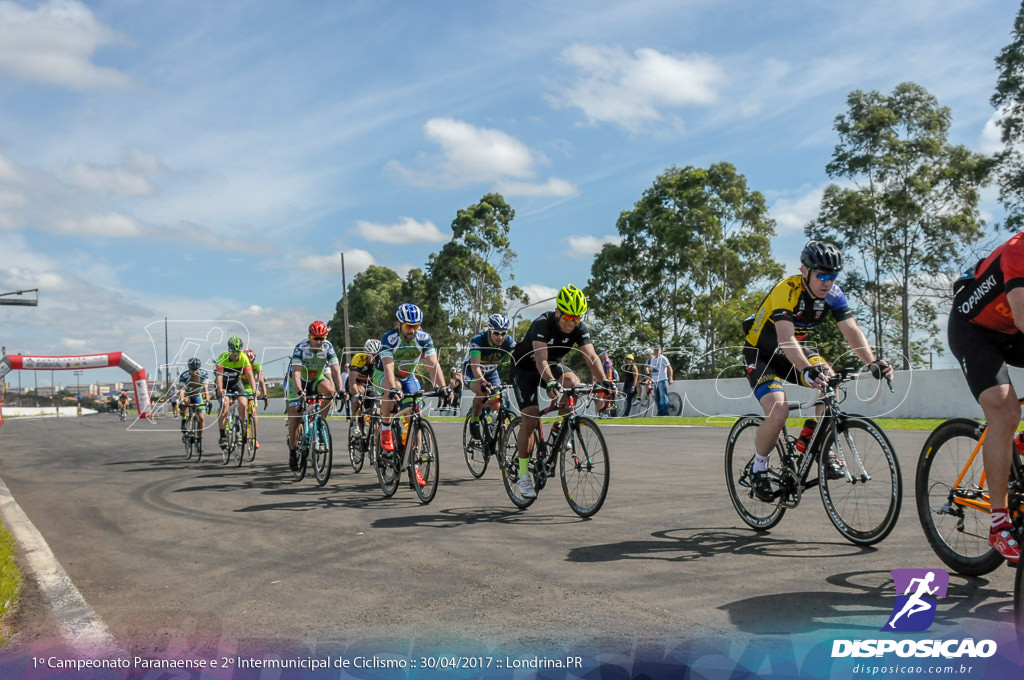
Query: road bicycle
[
  {"x": 237, "y": 441},
  {"x": 361, "y": 429},
  {"x": 122, "y": 413},
  {"x": 494, "y": 420},
  {"x": 190, "y": 434},
  {"x": 646, "y": 401},
  {"x": 574, "y": 446},
  {"x": 313, "y": 441},
  {"x": 249, "y": 434},
  {"x": 858, "y": 474},
  {"x": 415, "y": 449}
]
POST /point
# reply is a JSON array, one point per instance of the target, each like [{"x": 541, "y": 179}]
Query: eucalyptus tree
[{"x": 1009, "y": 102}]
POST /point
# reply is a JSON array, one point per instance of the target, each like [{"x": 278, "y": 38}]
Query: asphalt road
[{"x": 176, "y": 556}]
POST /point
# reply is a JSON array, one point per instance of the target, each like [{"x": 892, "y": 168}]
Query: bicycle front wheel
[
  {"x": 355, "y": 445},
  {"x": 474, "y": 449},
  {"x": 739, "y": 458},
  {"x": 584, "y": 467},
  {"x": 241, "y": 442},
  {"x": 251, "y": 435},
  {"x": 510, "y": 466},
  {"x": 229, "y": 444},
  {"x": 190, "y": 438},
  {"x": 321, "y": 451},
  {"x": 423, "y": 463},
  {"x": 863, "y": 507},
  {"x": 954, "y": 515},
  {"x": 301, "y": 454},
  {"x": 387, "y": 465}
]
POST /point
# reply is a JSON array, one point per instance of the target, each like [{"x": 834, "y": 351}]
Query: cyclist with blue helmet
[
  {"x": 193, "y": 390},
  {"x": 486, "y": 352},
  {"x": 402, "y": 349}
]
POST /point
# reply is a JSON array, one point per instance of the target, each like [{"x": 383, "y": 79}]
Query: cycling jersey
[
  {"x": 361, "y": 366},
  {"x": 490, "y": 356},
  {"x": 313, "y": 362},
  {"x": 981, "y": 296},
  {"x": 405, "y": 353},
  {"x": 193, "y": 385},
  {"x": 257, "y": 371},
  {"x": 545, "y": 328},
  {"x": 232, "y": 370},
  {"x": 790, "y": 301}
]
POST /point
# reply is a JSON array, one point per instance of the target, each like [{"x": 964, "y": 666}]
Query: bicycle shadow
[
  {"x": 863, "y": 603},
  {"x": 711, "y": 543},
  {"x": 461, "y": 517}
]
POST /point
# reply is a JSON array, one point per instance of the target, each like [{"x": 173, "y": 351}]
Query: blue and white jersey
[
  {"x": 490, "y": 355},
  {"x": 405, "y": 353},
  {"x": 193, "y": 386},
  {"x": 314, "y": 362}
]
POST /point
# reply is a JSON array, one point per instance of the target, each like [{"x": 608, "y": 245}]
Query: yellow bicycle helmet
[{"x": 572, "y": 301}]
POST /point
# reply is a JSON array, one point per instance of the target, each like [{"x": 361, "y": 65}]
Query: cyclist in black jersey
[{"x": 535, "y": 361}]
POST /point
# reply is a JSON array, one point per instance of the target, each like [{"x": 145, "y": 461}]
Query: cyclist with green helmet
[
  {"x": 232, "y": 367},
  {"x": 535, "y": 361}
]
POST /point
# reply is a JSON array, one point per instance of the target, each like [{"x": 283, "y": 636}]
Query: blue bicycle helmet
[
  {"x": 409, "y": 313},
  {"x": 498, "y": 322}
]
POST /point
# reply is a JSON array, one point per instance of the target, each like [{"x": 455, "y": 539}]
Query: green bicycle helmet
[
  {"x": 234, "y": 344},
  {"x": 572, "y": 301}
]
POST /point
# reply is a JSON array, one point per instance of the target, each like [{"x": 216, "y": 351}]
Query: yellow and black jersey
[
  {"x": 362, "y": 366},
  {"x": 790, "y": 301}
]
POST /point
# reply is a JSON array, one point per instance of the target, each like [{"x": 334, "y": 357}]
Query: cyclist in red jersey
[{"x": 986, "y": 333}]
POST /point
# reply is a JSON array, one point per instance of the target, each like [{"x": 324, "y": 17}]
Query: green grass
[{"x": 10, "y": 579}]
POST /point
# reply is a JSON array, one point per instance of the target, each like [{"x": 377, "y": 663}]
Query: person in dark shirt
[{"x": 535, "y": 361}]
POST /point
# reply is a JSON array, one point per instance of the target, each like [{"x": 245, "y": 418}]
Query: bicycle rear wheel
[
  {"x": 510, "y": 467},
  {"x": 584, "y": 467},
  {"x": 321, "y": 451},
  {"x": 356, "y": 456},
  {"x": 387, "y": 464},
  {"x": 955, "y": 528},
  {"x": 644, "y": 404},
  {"x": 423, "y": 459},
  {"x": 863, "y": 509},
  {"x": 675, "y": 404},
  {"x": 739, "y": 457},
  {"x": 301, "y": 454},
  {"x": 475, "y": 449}
]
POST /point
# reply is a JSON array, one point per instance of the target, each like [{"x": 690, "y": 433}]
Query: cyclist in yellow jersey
[
  {"x": 773, "y": 352},
  {"x": 360, "y": 370}
]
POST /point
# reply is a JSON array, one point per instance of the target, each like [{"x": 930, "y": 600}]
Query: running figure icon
[{"x": 919, "y": 588}]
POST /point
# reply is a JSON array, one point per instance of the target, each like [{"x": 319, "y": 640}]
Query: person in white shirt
[{"x": 661, "y": 374}]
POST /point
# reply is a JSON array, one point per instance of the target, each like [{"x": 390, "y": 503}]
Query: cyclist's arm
[
  {"x": 792, "y": 348},
  {"x": 540, "y": 356},
  {"x": 474, "y": 365},
  {"x": 436, "y": 374},
  {"x": 594, "y": 363},
  {"x": 1015, "y": 297},
  {"x": 220, "y": 381},
  {"x": 336, "y": 377},
  {"x": 387, "y": 365}
]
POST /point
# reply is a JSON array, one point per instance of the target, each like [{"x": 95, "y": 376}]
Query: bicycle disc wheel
[
  {"x": 675, "y": 404},
  {"x": 473, "y": 449},
  {"x": 739, "y": 457},
  {"x": 355, "y": 446},
  {"x": 510, "y": 466},
  {"x": 387, "y": 465},
  {"x": 423, "y": 459},
  {"x": 584, "y": 468},
  {"x": 321, "y": 451},
  {"x": 240, "y": 442},
  {"x": 865, "y": 509},
  {"x": 957, "y": 532}
]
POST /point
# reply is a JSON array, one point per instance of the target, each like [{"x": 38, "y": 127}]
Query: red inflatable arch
[{"x": 109, "y": 360}]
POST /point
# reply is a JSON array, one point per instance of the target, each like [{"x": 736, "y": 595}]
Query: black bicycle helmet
[{"x": 821, "y": 256}]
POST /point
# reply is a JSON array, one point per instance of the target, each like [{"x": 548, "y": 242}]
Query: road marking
[{"x": 81, "y": 628}]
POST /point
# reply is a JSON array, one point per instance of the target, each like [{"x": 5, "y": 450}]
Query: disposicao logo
[{"x": 914, "y": 610}]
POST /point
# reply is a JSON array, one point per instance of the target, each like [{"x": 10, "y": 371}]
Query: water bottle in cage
[
  {"x": 553, "y": 435},
  {"x": 805, "y": 435}
]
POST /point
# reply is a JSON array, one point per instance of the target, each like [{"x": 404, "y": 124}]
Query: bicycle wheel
[
  {"x": 321, "y": 451},
  {"x": 584, "y": 468},
  {"x": 863, "y": 509},
  {"x": 356, "y": 456},
  {"x": 229, "y": 443},
  {"x": 956, "y": 530},
  {"x": 1018, "y": 599},
  {"x": 510, "y": 466},
  {"x": 474, "y": 449},
  {"x": 250, "y": 429},
  {"x": 739, "y": 457},
  {"x": 241, "y": 443},
  {"x": 387, "y": 465},
  {"x": 675, "y": 404},
  {"x": 189, "y": 435},
  {"x": 644, "y": 405},
  {"x": 423, "y": 459},
  {"x": 301, "y": 453}
]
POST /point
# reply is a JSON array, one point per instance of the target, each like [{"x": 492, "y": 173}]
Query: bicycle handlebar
[{"x": 834, "y": 381}]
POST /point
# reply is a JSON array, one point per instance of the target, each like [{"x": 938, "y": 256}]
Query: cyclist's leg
[
  {"x": 325, "y": 388},
  {"x": 526, "y": 383}
]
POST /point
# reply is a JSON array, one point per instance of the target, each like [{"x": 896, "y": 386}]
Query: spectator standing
[
  {"x": 661, "y": 374},
  {"x": 630, "y": 382}
]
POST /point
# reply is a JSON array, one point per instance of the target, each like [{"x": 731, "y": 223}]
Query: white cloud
[
  {"x": 553, "y": 187},
  {"x": 109, "y": 225},
  {"x": 406, "y": 230},
  {"x": 8, "y": 171},
  {"x": 356, "y": 261},
  {"x": 791, "y": 214},
  {"x": 112, "y": 180},
  {"x": 471, "y": 154},
  {"x": 583, "y": 247},
  {"x": 991, "y": 136},
  {"x": 11, "y": 199},
  {"x": 54, "y": 43},
  {"x": 632, "y": 90}
]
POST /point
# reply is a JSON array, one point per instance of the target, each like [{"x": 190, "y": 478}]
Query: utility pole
[
  {"x": 344, "y": 303},
  {"x": 167, "y": 361}
]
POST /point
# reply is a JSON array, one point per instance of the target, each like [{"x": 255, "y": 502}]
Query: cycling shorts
[
  {"x": 766, "y": 372},
  {"x": 309, "y": 389},
  {"x": 491, "y": 377},
  {"x": 984, "y": 354},
  {"x": 526, "y": 380}
]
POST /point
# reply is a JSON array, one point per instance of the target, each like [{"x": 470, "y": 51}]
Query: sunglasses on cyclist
[
  {"x": 314, "y": 338},
  {"x": 826, "y": 277},
  {"x": 499, "y": 333},
  {"x": 570, "y": 317},
  {"x": 410, "y": 326}
]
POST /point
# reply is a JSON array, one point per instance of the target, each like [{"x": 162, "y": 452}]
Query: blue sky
[{"x": 209, "y": 160}]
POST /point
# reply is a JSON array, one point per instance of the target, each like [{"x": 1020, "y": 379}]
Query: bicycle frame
[{"x": 496, "y": 404}]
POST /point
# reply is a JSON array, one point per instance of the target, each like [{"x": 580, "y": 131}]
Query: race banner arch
[{"x": 120, "y": 360}]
